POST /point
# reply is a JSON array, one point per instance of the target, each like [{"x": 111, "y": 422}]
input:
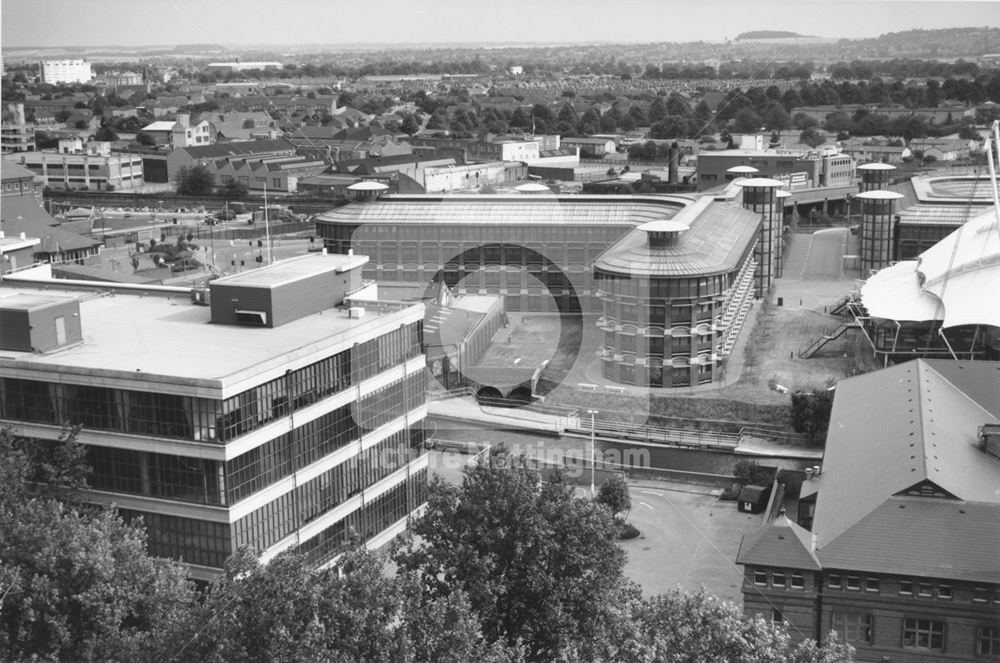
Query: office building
[
  {"x": 895, "y": 544},
  {"x": 91, "y": 166},
  {"x": 268, "y": 411},
  {"x": 55, "y": 72}
]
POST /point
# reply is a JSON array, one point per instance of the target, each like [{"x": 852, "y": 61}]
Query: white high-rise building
[{"x": 66, "y": 71}]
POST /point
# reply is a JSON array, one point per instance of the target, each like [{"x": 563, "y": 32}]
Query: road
[{"x": 687, "y": 538}]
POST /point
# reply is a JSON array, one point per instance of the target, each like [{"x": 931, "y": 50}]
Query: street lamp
[{"x": 593, "y": 493}]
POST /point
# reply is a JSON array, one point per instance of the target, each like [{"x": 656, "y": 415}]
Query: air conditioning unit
[{"x": 356, "y": 312}]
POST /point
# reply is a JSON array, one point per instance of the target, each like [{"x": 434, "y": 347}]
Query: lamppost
[{"x": 593, "y": 493}]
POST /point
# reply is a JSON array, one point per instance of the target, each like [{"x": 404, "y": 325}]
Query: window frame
[{"x": 922, "y": 626}]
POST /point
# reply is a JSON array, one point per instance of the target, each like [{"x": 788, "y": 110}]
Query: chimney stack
[{"x": 674, "y": 155}]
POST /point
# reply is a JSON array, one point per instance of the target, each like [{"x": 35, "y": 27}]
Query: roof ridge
[
  {"x": 958, "y": 389},
  {"x": 923, "y": 418}
]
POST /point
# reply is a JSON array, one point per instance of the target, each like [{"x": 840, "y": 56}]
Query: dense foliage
[{"x": 503, "y": 569}]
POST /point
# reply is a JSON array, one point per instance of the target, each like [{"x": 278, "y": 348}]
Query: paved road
[
  {"x": 814, "y": 274},
  {"x": 688, "y": 539}
]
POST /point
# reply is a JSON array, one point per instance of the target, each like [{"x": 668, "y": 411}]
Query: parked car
[{"x": 225, "y": 215}]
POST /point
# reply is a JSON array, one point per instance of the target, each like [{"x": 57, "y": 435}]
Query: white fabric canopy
[{"x": 957, "y": 280}]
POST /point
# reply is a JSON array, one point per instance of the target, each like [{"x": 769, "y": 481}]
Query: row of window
[
  {"x": 366, "y": 522},
  {"x": 655, "y": 376},
  {"x": 297, "y": 389},
  {"x": 917, "y": 632},
  {"x": 100, "y": 408},
  {"x": 156, "y": 475},
  {"x": 182, "y": 417},
  {"x": 909, "y": 587},
  {"x": 277, "y": 519},
  {"x": 778, "y": 579},
  {"x": 642, "y": 289},
  {"x": 185, "y": 539}
]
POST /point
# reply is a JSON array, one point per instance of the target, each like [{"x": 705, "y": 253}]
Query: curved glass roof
[
  {"x": 717, "y": 240},
  {"x": 509, "y": 210}
]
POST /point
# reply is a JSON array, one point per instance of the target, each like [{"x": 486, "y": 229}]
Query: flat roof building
[
  {"x": 272, "y": 417},
  {"x": 66, "y": 71}
]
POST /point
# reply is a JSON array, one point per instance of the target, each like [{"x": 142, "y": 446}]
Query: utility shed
[
  {"x": 31, "y": 322},
  {"x": 285, "y": 291},
  {"x": 753, "y": 499}
]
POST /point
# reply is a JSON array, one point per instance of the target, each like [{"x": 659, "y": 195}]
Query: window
[
  {"x": 923, "y": 634},
  {"x": 925, "y": 589},
  {"x": 798, "y": 580},
  {"x": 778, "y": 579},
  {"x": 834, "y": 581},
  {"x": 760, "y": 577},
  {"x": 854, "y": 583},
  {"x": 871, "y": 584},
  {"x": 852, "y": 626},
  {"x": 980, "y": 594},
  {"x": 777, "y": 617},
  {"x": 906, "y": 587},
  {"x": 944, "y": 591},
  {"x": 988, "y": 640}
]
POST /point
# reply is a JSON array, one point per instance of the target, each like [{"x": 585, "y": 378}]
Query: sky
[{"x": 49, "y": 23}]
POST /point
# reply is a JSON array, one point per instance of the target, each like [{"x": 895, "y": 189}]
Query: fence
[{"x": 208, "y": 233}]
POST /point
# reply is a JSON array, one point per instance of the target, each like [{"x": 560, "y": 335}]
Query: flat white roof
[
  {"x": 294, "y": 269},
  {"x": 169, "y": 340}
]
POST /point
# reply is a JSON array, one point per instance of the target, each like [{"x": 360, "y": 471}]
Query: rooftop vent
[{"x": 251, "y": 318}]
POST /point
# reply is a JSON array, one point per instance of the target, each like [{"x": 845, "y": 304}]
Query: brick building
[{"x": 895, "y": 544}]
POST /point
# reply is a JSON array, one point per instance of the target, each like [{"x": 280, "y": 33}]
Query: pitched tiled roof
[
  {"x": 779, "y": 543},
  {"x": 240, "y": 148},
  {"x": 21, "y": 214},
  {"x": 14, "y": 171},
  {"x": 893, "y": 432}
]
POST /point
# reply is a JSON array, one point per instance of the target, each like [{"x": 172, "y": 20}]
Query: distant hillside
[{"x": 767, "y": 34}]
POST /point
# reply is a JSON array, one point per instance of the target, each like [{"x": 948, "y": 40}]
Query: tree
[
  {"x": 145, "y": 139},
  {"x": 76, "y": 582},
  {"x": 539, "y": 566},
  {"x": 683, "y": 626},
  {"x": 746, "y": 121},
  {"x": 752, "y": 472},
  {"x": 105, "y": 133},
  {"x": 811, "y": 137},
  {"x": 614, "y": 495},
  {"x": 410, "y": 124},
  {"x": 776, "y": 118},
  {"x": 287, "y": 611},
  {"x": 838, "y": 122},
  {"x": 803, "y": 122},
  {"x": 811, "y": 412},
  {"x": 194, "y": 180},
  {"x": 234, "y": 190}
]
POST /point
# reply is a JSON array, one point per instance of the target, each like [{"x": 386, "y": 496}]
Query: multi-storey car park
[
  {"x": 274, "y": 416},
  {"x": 672, "y": 300}
]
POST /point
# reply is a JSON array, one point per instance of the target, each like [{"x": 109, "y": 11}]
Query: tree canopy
[
  {"x": 194, "y": 180},
  {"x": 505, "y": 568},
  {"x": 76, "y": 582}
]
